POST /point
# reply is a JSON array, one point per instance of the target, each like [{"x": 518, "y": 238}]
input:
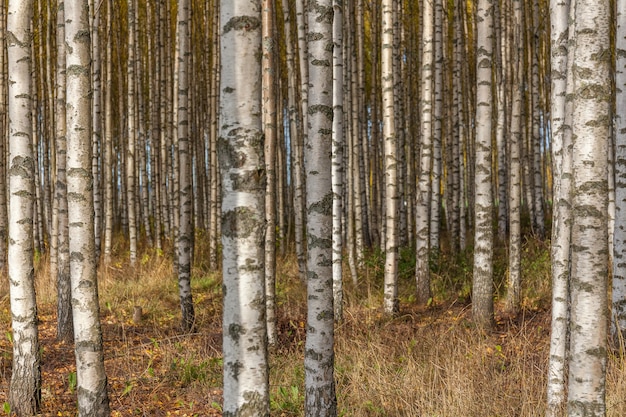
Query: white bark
[
  {"x": 337, "y": 158},
  {"x": 108, "y": 145},
  {"x": 91, "y": 378},
  {"x": 25, "y": 388},
  {"x": 619, "y": 264},
  {"x": 320, "y": 398},
  {"x": 561, "y": 223},
  {"x": 513, "y": 296},
  {"x": 390, "y": 162},
  {"x": 64, "y": 304},
  {"x": 185, "y": 238},
  {"x": 422, "y": 209},
  {"x": 589, "y": 248},
  {"x": 246, "y": 384},
  {"x": 132, "y": 136},
  {"x": 270, "y": 128},
  {"x": 482, "y": 290},
  {"x": 435, "y": 199}
]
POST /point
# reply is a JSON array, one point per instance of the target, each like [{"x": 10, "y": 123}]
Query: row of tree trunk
[{"x": 315, "y": 126}]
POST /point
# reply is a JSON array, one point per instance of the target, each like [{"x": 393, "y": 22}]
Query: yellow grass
[{"x": 424, "y": 362}]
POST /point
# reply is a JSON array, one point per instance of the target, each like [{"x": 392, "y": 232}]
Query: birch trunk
[
  {"x": 246, "y": 383},
  {"x": 64, "y": 305},
  {"x": 337, "y": 158},
  {"x": 618, "y": 327},
  {"x": 422, "y": 221},
  {"x": 185, "y": 238},
  {"x": 320, "y": 399},
  {"x": 25, "y": 387},
  {"x": 91, "y": 379},
  {"x": 561, "y": 222},
  {"x": 390, "y": 162},
  {"x": 108, "y": 144},
  {"x": 132, "y": 135},
  {"x": 270, "y": 131},
  {"x": 589, "y": 247},
  {"x": 482, "y": 290}
]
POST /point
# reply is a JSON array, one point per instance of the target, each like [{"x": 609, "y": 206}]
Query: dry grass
[{"x": 424, "y": 362}]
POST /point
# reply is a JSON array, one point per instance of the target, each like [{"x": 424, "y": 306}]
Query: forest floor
[{"x": 423, "y": 362}]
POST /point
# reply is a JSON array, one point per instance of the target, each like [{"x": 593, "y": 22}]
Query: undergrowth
[{"x": 423, "y": 362}]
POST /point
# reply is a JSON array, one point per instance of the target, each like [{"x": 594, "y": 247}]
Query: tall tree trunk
[
  {"x": 513, "y": 296},
  {"x": 298, "y": 141},
  {"x": 25, "y": 389},
  {"x": 246, "y": 384},
  {"x": 589, "y": 248},
  {"x": 437, "y": 111},
  {"x": 270, "y": 127},
  {"x": 64, "y": 305},
  {"x": 618, "y": 327},
  {"x": 422, "y": 222},
  {"x": 108, "y": 141},
  {"x": 482, "y": 291},
  {"x": 91, "y": 378},
  {"x": 185, "y": 238},
  {"x": 561, "y": 217},
  {"x": 96, "y": 82},
  {"x": 132, "y": 135},
  {"x": 337, "y": 154},
  {"x": 214, "y": 161},
  {"x": 320, "y": 399},
  {"x": 3, "y": 143},
  {"x": 390, "y": 162}
]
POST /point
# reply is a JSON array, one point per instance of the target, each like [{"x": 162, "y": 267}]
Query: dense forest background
[{"x": 451, "y": 219}]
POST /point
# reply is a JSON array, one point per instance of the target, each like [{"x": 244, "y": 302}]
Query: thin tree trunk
[
  {"x": 320, "y": 399},
  {"x": 513, "y": 296},
  {"x": 270, "y": 127},
  {"x": 482, "y": 291},
  {"x": 64, "y": 305},
  {"x": 96, "y": 81},
  {"x": 132, "y": 135},
  {"x": 391, "y": 304},
  {"x": 185, "y": 238},
  {"x": 25, "y": 388},
  {"x": 108, "y": 142},
  {"x": 561, "y": 224},
  {"x": 337, "y": 158},
  {"x": 618, "y": 321},
  {"x": 91, "y": 378},
  {"x": 422, "y": 222},
  {"x": 435, "y": 199},
  {"x": 4, "y": 220}
]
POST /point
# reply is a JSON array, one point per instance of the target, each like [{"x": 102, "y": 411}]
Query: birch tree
[
  {"x": 246, "y": 384},
  {"x": 4, "y": 223},
  {"x": 390, "y": 162},
  {"x": 270, "y": 131},
  {"x": 25, "y": 386},
  {"x": 91, "y": 378},
  {"x": 482, "y": 290},
  {"x": 185, "y": 238},
  {"x": 337, "y": 158},
  {"x": 320, "y": 399},
  {"x": 132, "y": 135},
  {"x": 561, "y": 223},
  {"x": 619, "y": 265},
  {"x": 64, "y": 304},
  {"x": 589, "y": 248},
  {"x": 422, "y": 209}
]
